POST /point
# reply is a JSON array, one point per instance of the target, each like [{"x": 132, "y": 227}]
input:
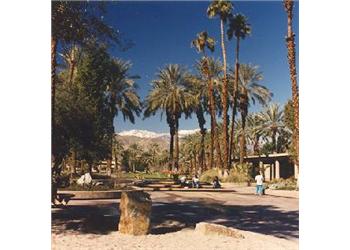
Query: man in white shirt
[{"x": 259, "y": 183}]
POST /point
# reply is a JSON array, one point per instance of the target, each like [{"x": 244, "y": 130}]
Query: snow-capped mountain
[
  {"x": 141, "y": 133},
  {"x": 151, "y": 134},
  {"x": 146, "y": 138}
]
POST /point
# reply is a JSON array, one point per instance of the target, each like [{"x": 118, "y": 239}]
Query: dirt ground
[{"x": 269, "y": 222}]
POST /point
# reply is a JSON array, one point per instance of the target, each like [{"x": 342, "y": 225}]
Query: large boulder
[
  {"x": 214, "y": 229},
  {"x": 135, "y": 211}
]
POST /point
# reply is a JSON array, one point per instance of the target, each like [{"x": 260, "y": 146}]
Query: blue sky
[{"x": 162, "y": 33}]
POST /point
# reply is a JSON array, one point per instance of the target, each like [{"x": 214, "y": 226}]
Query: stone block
[
  {"x": 135, "y": 212},
  {"x": 214, "y": 229}
]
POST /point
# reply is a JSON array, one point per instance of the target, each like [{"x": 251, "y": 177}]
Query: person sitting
[
  {"x": 195, "y": 181},
  {"x": 216, "y": 182},
  {"x": 183, "y": 181}
]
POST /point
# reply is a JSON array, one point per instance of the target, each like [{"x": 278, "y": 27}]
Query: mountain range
[{"x": 146, "y": 138}]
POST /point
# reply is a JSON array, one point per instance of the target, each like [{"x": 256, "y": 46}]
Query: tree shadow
[
  {"x": 176, "y": 215},
  {"x": 92, "y": 219},
  {"x": 264, "y": 219}
]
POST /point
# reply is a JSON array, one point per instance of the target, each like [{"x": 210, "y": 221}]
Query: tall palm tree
[
  {"x": 169, "y": 95},
  {"x": 288, "y": 4},
  {"x": 211, "y": 73},
  {"x": 203, "y": 41},
  {"x": 198, "y": 89},
  {"x": 249, "y": 90},
  {"x": 123, "y": 98},
  {"x": 223, "y": 9},
  {"x": 238, "y": 28},
  {"x": 272, "y": 118}
]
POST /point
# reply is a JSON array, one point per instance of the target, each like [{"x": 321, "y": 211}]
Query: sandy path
[
  {"x": 269, "y": 222},
  {"x": 184, "y": 239}
]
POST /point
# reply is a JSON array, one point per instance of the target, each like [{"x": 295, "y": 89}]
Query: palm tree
[
  {"x": 254, "y": 131},
  {"x": 288, "y": 4},
  {"x": 211, "y": 73},
  {"x": 223, "y": 9},
  {"x": 202, "y": 41},
  {"x": 238, "y": 28},
  {"x": 272, "y": 118},
  {"x": 123, "y": 98},
  {"x": 249, "y": 90},
  {"x": 170, "y": 96},
  {"x": 135, "y": 153},
  {"x": 154, "y": 154},
  {"x": 198, "y": 89},
  {"x": 118, "y": 149}
]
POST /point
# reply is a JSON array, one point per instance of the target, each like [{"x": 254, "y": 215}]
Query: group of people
[
  {"x": 216, "y": 183},
  {"x": 195, "y": 182},
  {"x": 186, "y": 183}
]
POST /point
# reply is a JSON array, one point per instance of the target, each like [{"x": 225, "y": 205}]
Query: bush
[
  {"x": 284, "y": 184},
  {"x": 238, "y": 177},
  {"x": 208, "y": 176},
  {"x": 239, "y": 174}
]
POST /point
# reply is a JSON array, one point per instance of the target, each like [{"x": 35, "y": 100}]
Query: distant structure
[{"x": 273, "y": 166}]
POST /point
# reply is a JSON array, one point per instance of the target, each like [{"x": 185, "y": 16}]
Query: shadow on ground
[{"x": 173, "y": 216}]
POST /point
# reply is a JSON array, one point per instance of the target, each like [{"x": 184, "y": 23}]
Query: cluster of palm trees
[
  {"x": 213, "y": 90},
  {"x": 264, "y": 132}
]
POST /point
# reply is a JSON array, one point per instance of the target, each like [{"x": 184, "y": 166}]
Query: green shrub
[
  {"x": 208, "y": 176},
  {"x": 240, "y": 173},
  {"x": 237, "y": 177},
  {"x": 284, "y": 184}
]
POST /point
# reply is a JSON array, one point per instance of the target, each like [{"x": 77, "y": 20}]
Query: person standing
[{"x": 259, "y": 183}]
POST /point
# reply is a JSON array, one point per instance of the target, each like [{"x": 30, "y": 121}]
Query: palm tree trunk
[
  {"x": 242, "y": 140},
  {"x": 235, "y": 96},
  {"x": 224, "y": 98},
  {"x": 293, "y": 75},
  {"x": 212, "y": 140},
  {"x": 214, "y": 132},
  {"x": 171, "y": 149},
  {"x": 53, "y": 85},
  {"x": 256, "y": 146},
  {"x": 201, "y": 122},
  {"x": 177, "y": 144},
  {"x": 274, "y": 142},
  {"x": 195, "y": 163}
]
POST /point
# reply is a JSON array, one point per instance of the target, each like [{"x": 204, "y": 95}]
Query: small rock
[{"x": 214, "y": 229}]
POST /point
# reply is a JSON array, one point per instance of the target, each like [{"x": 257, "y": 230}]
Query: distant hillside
[
  {"x": 127, "y": 140},
  {"x": 146, "y": 138}
]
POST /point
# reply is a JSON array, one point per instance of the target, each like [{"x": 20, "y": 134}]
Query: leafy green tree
[
  {"x": 170, "y": 96},
  {"x": 76, "y": 23},
  {"x": 223, "y": 9}
]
